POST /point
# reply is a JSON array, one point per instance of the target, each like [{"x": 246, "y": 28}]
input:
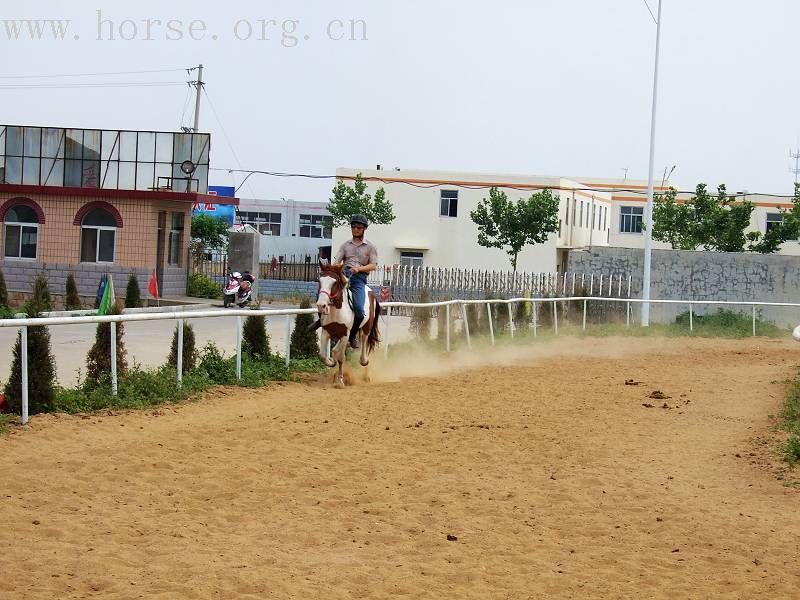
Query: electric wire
[{"x": 55, "y": 76}]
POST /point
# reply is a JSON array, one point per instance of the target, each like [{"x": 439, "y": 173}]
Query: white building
[
  {"x": 432, "y": 225},
  {"x": 289, "y": 227}
]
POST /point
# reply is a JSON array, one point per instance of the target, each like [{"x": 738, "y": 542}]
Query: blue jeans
[{"x": 358, "y": 283}]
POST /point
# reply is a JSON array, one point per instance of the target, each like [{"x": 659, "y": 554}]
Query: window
[
  {"x": 21, "y": 232},
  {"x": 566, "y": 216},
  {"x": 98, "y": 236},
  {"x": 316, "y": 226},
  {"x": 630, "y": 219},
  {"x": 176, "y": 240},
  {"x": 448, "y": 203},
  {"x": 267, "y": 223},
  {"x": 594, "y": 211},
  {"x": 773, "y": 220},
  {"x": 411, "y": 259},
  {"x": 580, "y": 223}
]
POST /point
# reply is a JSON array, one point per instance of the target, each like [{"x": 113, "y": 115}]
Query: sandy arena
[{"x": 542, "y": 476}]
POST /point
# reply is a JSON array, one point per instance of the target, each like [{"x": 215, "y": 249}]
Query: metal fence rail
[{"x": 23, "y": 323}]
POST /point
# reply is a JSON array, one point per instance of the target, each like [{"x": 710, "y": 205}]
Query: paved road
[{"x": 146, "y": 342}]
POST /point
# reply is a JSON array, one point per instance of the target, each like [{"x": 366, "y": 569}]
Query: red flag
[{"x": 153, "y": 286}]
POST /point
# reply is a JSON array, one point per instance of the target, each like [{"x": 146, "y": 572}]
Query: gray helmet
[{"x": 359, "y": 220}]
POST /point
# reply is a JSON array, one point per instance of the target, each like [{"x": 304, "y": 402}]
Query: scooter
[{"x": 231, "y": 289}]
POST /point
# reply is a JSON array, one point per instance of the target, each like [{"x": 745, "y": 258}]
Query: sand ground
[{"x": 550, "y": 475}]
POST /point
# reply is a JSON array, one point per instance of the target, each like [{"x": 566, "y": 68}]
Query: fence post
[
  {"x": 491, "y": 325},
  {"x": 627, "y": 314},
  {"x": 288, "y": 338},
  {"x": 179, "y": 361},
  {"x": 691, "y": 321},
  {"x": 113, "y": 358},
  {"x": 239, "y": 348},
  {"x": 466, "y": 324},
  {"x": 24, "y": 344},
  {"x": 754, "y": 319},
  {"x": 555, "y": 316},
  {"x": 386, "y": 343},
  {"x": 591, "y": 285},
  {"x": 584, "y": 314},
  {"x": 447, "y": 328},
  {"x": 573, "y": 283},
  {"x": 600, "y": 293},
  {"x": 510, "y": 320}
]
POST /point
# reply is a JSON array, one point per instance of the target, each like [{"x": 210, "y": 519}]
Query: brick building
[{"x": 93, "y": 201}]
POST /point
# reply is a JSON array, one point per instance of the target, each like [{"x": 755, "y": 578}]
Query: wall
[{"x": 678, "y": 274}]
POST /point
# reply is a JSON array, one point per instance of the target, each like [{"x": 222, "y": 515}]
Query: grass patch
[
  {"x": 791, "y": 423},
  {"x": 4, "y": 420}
]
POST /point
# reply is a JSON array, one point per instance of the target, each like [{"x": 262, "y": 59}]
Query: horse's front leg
[
  {"x": 324, "y": 339},
  {"x": 338, "y": 356},
  {"x": 363, "y": 337}
]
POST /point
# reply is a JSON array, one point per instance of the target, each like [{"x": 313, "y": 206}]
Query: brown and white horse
[{"x": 336, "y": 317}]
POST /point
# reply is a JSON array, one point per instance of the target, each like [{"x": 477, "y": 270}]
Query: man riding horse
[{"x": 359, "y": 257}]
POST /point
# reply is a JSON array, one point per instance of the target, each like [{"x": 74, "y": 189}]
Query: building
[
  {"x": 290, "y": 228},
  {"x": 92, "y": 201},
  {"x": 433, "y": 225}
]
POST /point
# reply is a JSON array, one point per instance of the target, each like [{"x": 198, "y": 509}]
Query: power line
[
  {"x": 56, "y": 76},
  {"x": 71, "y": 86},
  {"x": 466, "y": 186},
  {"x": 650, "y": 11}
]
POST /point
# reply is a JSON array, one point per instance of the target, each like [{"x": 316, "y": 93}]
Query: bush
[
  {"x": 132, "y": 297},
  {"x": 421, "y": 318},
  {"x": 727, "y": 323},
  {"x": 98, "y": 361},
  {"x": 255, "y": 341},
  {"x": 72, "y": 301},
  {"x": 202, "y": 286},
  {"x": 304, "y": 342},
  {"x": 189, "y": 349},
  {"x": 3, "y": 290},
  {"x": 41, "y": 363}
]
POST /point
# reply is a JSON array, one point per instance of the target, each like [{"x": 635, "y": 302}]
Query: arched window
[
  {"x": 98, "y": 236},
  {"x": 21, "y": 235}
]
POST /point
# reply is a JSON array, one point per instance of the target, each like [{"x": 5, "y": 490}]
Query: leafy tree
[
  {"x": 703, "y": 221},
  {"x": 98, "y": 361},
  {"x": 132, "y": 294},
  {"x": 189, "y": 349},
  {"x": 72, "y": 300},
  {"x": 348, "y": 201},
  {"x": 779, "y": 233},
  {"x": 255, "y": 341},
  {"x": 303, "y": 343},
  {"x": 505, "y": 224},
  {"x": 208, "y": 233},
  {"x": 41, "y": 363}
]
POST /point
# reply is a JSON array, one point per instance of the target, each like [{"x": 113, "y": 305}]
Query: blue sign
[{"x": 226, "y": 212}]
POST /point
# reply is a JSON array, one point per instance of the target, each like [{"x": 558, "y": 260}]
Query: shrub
[
  {"x": 41, "y": 363},
  {"x": 72, "y": 301},
  {"x": 3, "y": 290},
  {"x": 41, "y": 298},
  {"x": 189, "y": 349},
  {"x": 215, "y": 366},
  {"x": 792, "y": 451},
  {"x": 255, "y": 341},
  {"x": 132, "y": 296},
  {"x": 202, "y": 286},
  {"x": 421, "y": 318},
  {"x": 304, "y": 342},
  {"x": 98, "y": 361}
]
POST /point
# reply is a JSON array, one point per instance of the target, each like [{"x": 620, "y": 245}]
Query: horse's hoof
[
  {"x": 364, "y": 362},
  {"x": 340, "y": 384}
]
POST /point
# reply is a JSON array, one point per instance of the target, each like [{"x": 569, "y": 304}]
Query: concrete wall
[
  {"x": 271, "y": 288},
  {"x": 684, "y": 275}
]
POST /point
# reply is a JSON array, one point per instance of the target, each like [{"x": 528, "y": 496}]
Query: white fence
[{"x": 24, "y": 323}]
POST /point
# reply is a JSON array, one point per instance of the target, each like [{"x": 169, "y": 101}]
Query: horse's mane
[{"x": 333, "y": 270}]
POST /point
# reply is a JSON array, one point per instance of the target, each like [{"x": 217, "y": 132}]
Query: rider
[{"x": 359, "y": 257}]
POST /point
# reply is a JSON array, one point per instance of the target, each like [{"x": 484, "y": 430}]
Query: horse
[{"x": 336, "y": 318}]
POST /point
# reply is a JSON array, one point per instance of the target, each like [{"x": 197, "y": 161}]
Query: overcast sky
[{"x": 547, "y": 87}]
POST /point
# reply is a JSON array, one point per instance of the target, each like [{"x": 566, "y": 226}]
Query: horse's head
[{"x": 332, "y": 284}]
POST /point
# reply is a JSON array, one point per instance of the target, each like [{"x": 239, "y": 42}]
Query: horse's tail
[{"x": 373, "y": 339}]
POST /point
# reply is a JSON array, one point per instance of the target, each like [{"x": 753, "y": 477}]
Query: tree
[
  {"x": 72, "y": 300},
  {"x": 255, "y": 341},
  {"x": 778, "y": 233},
  {"x": 41, "y": 363},
  {"x": 3, "y": 291},
  {"x": 132, "y": 297},
  {"x": 208, "y": 233},
  {"x": 512, "y": 226},
  {"x": 348, "y": 201},
  {"x": 304, "y": 342},
  {"x": 703, "y": 221},
  {"x": 98, "y": 361},
  {"x": 189, "y": 349}
]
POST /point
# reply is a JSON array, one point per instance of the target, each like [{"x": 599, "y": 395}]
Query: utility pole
[
  {"x": 796, "y": 170},
  {"x": 199, "y": 87}
]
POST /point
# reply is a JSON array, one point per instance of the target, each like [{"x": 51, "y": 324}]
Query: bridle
[{"x": 335, "y": 298}]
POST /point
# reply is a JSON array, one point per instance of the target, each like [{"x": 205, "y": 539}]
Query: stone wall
[{"x": 686, "y": 275}]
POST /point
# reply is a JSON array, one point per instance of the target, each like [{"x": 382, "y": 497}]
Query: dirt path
[{"x": 550, "y": 472}]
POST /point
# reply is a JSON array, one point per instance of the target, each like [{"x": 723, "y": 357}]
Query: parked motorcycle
[{"x": 238, "y": 290}]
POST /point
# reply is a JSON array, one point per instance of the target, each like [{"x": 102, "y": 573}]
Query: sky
[{"x": 541, "y": 87}]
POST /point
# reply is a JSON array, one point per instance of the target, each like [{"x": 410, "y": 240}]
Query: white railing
[{"x": 24, "y": 323}]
